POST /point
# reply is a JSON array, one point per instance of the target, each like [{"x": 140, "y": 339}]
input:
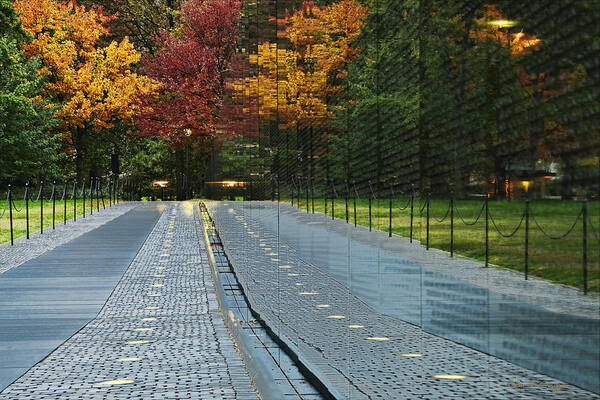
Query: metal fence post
[
  {"x": 584, "y": 257},
  {"x": 299, "y": 193},
  {"x": 97, "y": 194},
  {"x": 53, "y": 204},
  {"x": 91, "y": 195},
  {"x": 307, "y": 196},
  {"x": 390, "y": 227},
  {"x": 10, "y": 212},
  {"x": 452, "y": 225},
  {"x": 42, "y": 207},
  {"x": 370, "y": 215},
  {"x": 526, "y": 239},
  {"x": 75, "y": 200},
  {"x": 27, "y": 208},
  {"x": 102, "y": 194},
  {"x": 428, "y": 213},
  {"x": 83, "y": 198},
  {"x": 65, "y": 204},
  {"x": 355, "y": 196},
  {"x": 332, "y": 201},
  {"x": 325, "y": 196},
  {"x": 487, "y": 231},
  {"x": 346, "y": 199},
  {"x": 412, "y": 213},
  {"x": 312, "y": 194}
]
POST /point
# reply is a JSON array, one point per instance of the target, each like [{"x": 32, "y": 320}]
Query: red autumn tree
[
  {"x": 190, "y": 65},
  {"x": 187, "y": 102}
]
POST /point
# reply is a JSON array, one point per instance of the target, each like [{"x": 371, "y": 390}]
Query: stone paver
[
  {"x": 25, "y": 250},
  {"x": 159, "y": 336},
  {"x": 47, "y": 299},
  {"x": 364, "y": 353}
]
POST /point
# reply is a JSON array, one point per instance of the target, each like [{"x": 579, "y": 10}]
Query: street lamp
[
  {"x": 504, "y": 24},
  {"x": 162, "y": 185}
]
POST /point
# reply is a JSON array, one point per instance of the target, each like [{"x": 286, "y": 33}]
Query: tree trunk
[
  {"x": 77, "y": 136},
  {"x": 180, "y": 173}
]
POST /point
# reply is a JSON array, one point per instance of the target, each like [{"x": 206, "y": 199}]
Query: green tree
[{"x": 28, "y": 149}]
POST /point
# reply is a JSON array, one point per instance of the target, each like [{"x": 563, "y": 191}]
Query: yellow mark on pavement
[
  {"x": 116, "y": 382},
  {"x": 449, "y": 376}
]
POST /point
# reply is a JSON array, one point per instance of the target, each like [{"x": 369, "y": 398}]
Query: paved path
[
  {"x": 47, "y": 299},
  {"x": 359, "y": 349},
  {"x": 38, "y": 244},
  {"x": 159, "y": 336}
]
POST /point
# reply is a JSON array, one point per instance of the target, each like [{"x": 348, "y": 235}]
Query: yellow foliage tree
[
  {"x": 94, "y": 87},
  {"x": 301, "y": 82}
]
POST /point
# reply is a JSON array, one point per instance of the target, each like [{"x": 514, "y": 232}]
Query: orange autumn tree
[
  {"x": 94, "y": 87},
  {"x": 322, "y": 37},
  {"x": 298, "y": 83}
]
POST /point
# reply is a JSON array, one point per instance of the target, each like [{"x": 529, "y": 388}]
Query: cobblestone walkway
[
  {"x": 159, "y": 336},
  {"x": 363, "y": 353}
]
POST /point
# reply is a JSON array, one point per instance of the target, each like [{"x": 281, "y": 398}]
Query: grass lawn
[
  {"x": 35, "y": 221},
  {"x": 555, "y": 260}
]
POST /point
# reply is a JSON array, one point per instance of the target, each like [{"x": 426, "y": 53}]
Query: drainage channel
[{"x": 271, "y": 364}]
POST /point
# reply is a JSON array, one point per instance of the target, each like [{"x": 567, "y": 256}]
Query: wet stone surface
[
  {"x": 364, "y": 353},
  {"x": 159, "y": 336},
  {"x": 38, "y": 244}
]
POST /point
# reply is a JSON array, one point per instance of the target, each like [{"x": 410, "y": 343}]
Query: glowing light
[
  {"x": 355, "y": 326},
  {"x": 228, "y": 183},
  {"x": 116, "y": 382},
  {"x": 159, "y": 268},
  {"x": 449, "y": 376},
  {"x": 158, "y": 285},
  {"x": 503, "y": 23},
  {"x": 143, "y": 329},
  {"x": 526, "y": 185},
  {"x": 161, "y": 184},
  {"x": 308, "y": 293},
  {"x": 323, "y": 305},
  {"x": 285, "y": 266},
  {"x": 292, "y": 274},
  {"x": 138, "y": 342},
  {"x": 336, "y": 317},
  {"x": 149, "y": 319},
  {"x": 130, "y": 359},
  {"x": 155, "y": 295},
  {"x": 412, "y": 355},
  {"x": 159, "y": 276},
  {"x": 378, "y": 338},
  {"x": 152, "y": 308},
  {"x": 299, "y": 284}
]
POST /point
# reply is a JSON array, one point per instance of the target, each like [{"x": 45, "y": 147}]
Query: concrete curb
[
  {"x": 259, "y": 371},
  {"x": 321, "y": 375}
]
